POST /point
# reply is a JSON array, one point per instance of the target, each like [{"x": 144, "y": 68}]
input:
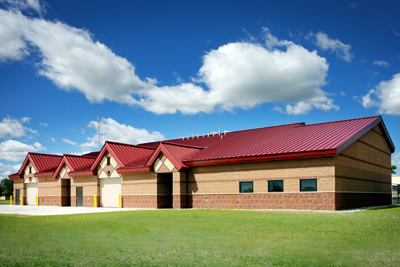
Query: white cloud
[
  {"x": 114, "y": 131},
  {"x": 386, "y": 96},
  {"x": 381, "y": 63},
  {"x": 6, "y": 169},
  {"x": 53, "y": 140},
  {"x": 65, "y": 140},
  {"x": 24, "y": 5},
  {"x": 13, "y": 128},
  {"x": 325, "y": 43},
  {"x": 238, "y": 75},
  {"x": 43, "y": 124},
  {"x": 12, "y": 150}
]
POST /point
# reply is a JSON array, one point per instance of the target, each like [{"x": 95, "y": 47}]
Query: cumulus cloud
[
  {"x": 114, "y": 131},
  {"x": 381, "y": 63},
  {"x": 14, "y": 128},
  {"x": 65, "y": 140},
  {"x": 325, "y": 43},
  {"x": 12, "y": 150},
  {"x": 386, "y": 96},
  {"x": 111, "y": 130},
  {"x": 6, "y": 169},
  {"x": 236, "y": 75}
]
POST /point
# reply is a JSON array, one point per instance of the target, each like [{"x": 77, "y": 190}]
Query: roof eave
[
  {"x": 82, "y": 173},
  {"x": 297, "y": 155},
  {"x": 44, "y": 174},
  {"x": 135, "y": 170},
  {"x": 15, "y": 176}
]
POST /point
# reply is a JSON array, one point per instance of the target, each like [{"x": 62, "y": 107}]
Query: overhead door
[
  {"x": 110, "y": 190},
  {"x": 31, "y": 193}
]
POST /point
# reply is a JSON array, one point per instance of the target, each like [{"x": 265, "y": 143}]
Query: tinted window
[
  {"x": 308, "y": 185},
  {"x": 275, "y": 186},
  {"x": 246, "y": 187}
]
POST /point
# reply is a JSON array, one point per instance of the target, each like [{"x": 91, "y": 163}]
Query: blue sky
[{"x": 165, "y": 69}]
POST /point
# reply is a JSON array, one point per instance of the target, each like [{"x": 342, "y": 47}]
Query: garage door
[
  {"x": 110, "y": 188},
  {"x": 31, "y": 193}
]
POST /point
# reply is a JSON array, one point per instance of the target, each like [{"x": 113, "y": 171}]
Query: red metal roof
[
  {"x": 174, "y": 153},
  {"x": 75, "y": 163},
  {"x": 269, "y": 143},
  {"x": 286, "y": 139},
  {"x": 124, "y": 154},
  {"x": 41, "y": 163}
]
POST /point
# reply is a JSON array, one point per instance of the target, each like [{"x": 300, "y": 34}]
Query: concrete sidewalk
[{"x": 46, "y": 210}]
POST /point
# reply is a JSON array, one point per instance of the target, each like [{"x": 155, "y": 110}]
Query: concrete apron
[{"x": 50, "y": 210}]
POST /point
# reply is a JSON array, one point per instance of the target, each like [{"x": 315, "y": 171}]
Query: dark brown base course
[
  {"x": 296, "y": 201},
  {"x": 359, "y": 200},
  {"x": 49, "y": 201},
  {"x": 142, "y": 201}
]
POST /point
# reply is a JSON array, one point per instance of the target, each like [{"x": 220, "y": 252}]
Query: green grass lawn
[
  {"x": 203, "y": 238},
  {"x": 4, "y": 201}
]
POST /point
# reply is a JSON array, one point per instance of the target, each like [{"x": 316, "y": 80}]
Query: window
[
  {"x": 246, "y": 187},
  {"x": 308, "y": 185},
  {"x": 275, "y": 186},
  {"x": 108, "y": 161},
  {"x": 30, "y": 169}
]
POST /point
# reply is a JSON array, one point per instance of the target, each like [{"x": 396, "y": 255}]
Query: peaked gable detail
[
  {"x": 42, "y": 164},
  {"x": 163, "y": 164},
  {"x": 71, "y": 164},
  {"x": 107, "y": 167},
  {"x": 170, "y": 155}
]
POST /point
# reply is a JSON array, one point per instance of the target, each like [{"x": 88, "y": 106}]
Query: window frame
[
  {"x": 269, "y": 187},
  {"x": 244, "y": 182},
  {"x": 316, "y": 185},
  {"x": 108, "y": 161}
]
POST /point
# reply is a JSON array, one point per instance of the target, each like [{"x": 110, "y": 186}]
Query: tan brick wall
[
  {"x": 90, "y": 184},
  {"x": 48, "y": 186},
  {"x": 49, "y": 191},
  {"x": 224, "y": 179},
  {"x": 365, "y": 166},
  {"x": 139, "y": 184}
]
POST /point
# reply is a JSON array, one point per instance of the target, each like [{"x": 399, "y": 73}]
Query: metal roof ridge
[
  {"x": 329, "y": 122},
  {"x": 182, "y": 145},
  {"x": 80, "y": 156},
  {"x": 131, "y": 145},
  {"x": 45, "y": 154}
]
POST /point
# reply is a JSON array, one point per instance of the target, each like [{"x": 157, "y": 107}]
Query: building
[
  {"x": 396, "y": 189},
  {"x": 325, "y": 166}
]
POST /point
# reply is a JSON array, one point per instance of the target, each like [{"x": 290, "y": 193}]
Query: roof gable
[
  {"x": 41, "y": 162},
  {"x": 174, "y": 153},
  {"x": 123, "y": 154},
  {"x": 74, "y": 163}
]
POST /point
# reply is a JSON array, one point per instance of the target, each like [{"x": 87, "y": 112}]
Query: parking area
[{"x": 46, "y": 210}]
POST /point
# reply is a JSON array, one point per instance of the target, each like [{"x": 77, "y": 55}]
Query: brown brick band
[
  {"x": 359, "y": 200},
  {"x": 140, "y": 201},
  {"x": 50, "y": 201},
  {"x": 296, "y": 201}
]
